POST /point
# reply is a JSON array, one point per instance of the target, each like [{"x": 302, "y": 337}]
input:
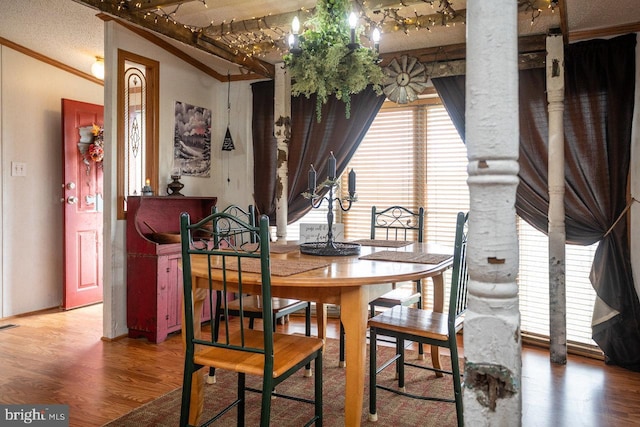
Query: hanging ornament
[{"x": 227, "y": 143}]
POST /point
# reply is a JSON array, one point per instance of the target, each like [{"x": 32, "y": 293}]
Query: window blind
[
  {"x": 384, "y": 166},
  {"x": 533, "y": 282},
  {"x": 413, "y": 156}
]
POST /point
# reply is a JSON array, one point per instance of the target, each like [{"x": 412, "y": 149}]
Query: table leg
[
  {"x": 438, "y": 306},
  {"x": 353, "y": 313},
  {"x": 197, "y": 381},
  {"x": 321, "y": 320}
]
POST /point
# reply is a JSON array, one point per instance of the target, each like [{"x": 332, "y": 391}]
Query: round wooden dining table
[{"x": 348, "y": 281}]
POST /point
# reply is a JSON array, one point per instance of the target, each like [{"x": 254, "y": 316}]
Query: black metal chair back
[
  {"x": 239, "y": 236},
  {"x": 397, "y": 223}
]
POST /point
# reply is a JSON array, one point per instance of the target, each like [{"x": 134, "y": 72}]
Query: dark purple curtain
[
  {"x": 310, "y": 143},
  {"x": 600, "y": 84},
  {"x": 451, "y": 92}
]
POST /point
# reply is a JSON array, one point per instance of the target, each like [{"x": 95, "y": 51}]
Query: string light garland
[{"x": 272, "y": 37}]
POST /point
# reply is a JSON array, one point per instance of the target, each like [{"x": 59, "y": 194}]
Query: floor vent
[{"x": 9, "y": 326}]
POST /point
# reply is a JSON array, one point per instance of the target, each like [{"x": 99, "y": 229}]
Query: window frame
[{"x": 152, "y": 141}]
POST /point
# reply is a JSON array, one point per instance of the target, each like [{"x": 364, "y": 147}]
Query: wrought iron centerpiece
[{"x": 330, "y": 247}]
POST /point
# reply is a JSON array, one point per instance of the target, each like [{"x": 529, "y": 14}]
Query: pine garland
[{"x": 326, "y": 66}]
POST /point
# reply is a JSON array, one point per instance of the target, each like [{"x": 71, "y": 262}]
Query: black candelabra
[{"x": 330, "y": 247}]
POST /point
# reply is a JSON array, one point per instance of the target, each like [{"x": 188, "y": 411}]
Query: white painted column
[
  {"x": 492, "y": 347},
  {"x": 282, "y": 118},
  {"x": 557, "y": 234}
]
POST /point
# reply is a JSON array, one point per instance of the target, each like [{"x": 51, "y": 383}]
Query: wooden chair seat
[
  {"x": 251, "y": 305},
  {"x": 286, "y": 348},
  {"x": 411, "y": 321},
  {"x": 398, "y": 296}
]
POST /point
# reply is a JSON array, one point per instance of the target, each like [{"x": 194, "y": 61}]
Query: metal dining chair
[
  {"x": 237, "y": 348},
  {"x": 426, "y": 327}
]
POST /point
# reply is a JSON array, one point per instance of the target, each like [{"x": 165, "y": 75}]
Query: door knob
[{"x": 72, "y": 200}]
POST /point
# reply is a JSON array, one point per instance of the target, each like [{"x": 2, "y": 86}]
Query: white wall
[
  {"x": 31, "y": 213},
  {"x": 178, "y": 82}
]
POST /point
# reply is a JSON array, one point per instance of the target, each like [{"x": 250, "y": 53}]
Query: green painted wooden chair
[
  {"x": 237, "y": 348},
  {"x": 426, "y": 327},
  {"x": 250, "y": 304}
]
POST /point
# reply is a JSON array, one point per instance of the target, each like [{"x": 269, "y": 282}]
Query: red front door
[{"x": 83, "y": 206}]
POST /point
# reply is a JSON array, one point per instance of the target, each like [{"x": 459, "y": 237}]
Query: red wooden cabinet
[{"x": 154, "y": 281}]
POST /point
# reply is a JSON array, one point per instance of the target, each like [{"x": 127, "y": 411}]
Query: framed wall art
[{"x": 192, "y": 140}]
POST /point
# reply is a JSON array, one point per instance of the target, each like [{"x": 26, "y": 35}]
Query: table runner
[
  {"x": 279, "y": 267},
  {"x": 274, "y": 248},
  {"x": 383, "y": 243},
  {"x": 415, "y": 257}
]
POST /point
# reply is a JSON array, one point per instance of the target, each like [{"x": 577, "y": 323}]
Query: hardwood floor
[{"x": 59, "y": 357}]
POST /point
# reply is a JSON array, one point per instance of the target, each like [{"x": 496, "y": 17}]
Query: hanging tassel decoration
[{"x": 227, "y": 143}]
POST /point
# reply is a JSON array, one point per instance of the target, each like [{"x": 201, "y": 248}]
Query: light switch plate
[{"x": 18, "y": 169}]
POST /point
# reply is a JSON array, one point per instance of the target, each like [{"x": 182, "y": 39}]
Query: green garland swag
[{"x": 326, "y": 66}]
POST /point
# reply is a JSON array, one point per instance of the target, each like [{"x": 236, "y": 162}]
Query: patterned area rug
[{"x": 393, "y": 410}]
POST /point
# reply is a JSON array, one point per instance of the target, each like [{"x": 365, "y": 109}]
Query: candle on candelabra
[
  {"x": 352, "y": 183},
  {"x": 353, "y": 21},
  {"x": 331, "y": 167},
  {"x": 376, "y": 40},
  {"x": 312, "y": 180}
]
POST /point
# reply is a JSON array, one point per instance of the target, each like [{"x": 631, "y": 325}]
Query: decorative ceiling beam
[
  {"x": 212, "y": 39},
  {"x": 183, "y": 35},
  {"x": 446, "y": 61},
  {"x": 283, "y": 20},
  {"x": 149, "y": 36},
  {"x": 526, "y": 45},
  {"x": 280, "y": 20},
  {"x": 146, "y": 5}
]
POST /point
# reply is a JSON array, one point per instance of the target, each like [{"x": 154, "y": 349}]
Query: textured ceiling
[
  {"x": 63, "y": 30},
  {"x": 70, "y": 32}
]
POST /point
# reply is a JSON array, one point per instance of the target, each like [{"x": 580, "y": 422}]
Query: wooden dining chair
[
  {"x": 426, "y": 327},
  {"x": 251, "y": 304},
  {"x": 237, "y": 348},
  {"x": 395, "y": 223}
]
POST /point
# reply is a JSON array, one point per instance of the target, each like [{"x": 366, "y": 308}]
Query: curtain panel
[
  {"x": 599, "y": 102},
  {"x": 310, "y": 143}
]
